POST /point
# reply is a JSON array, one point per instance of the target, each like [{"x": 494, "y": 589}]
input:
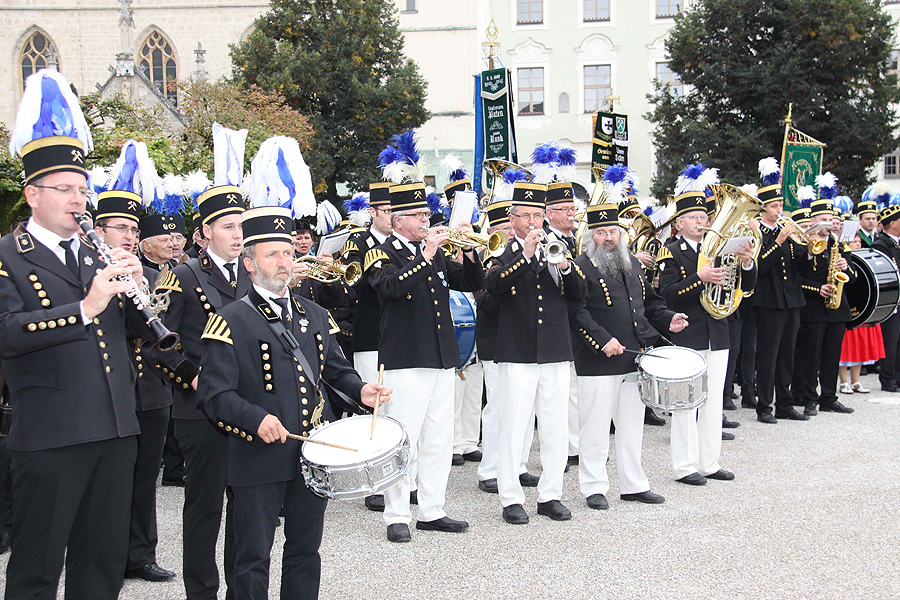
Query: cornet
[
  {"x": 331, "y": 271},
  {"x": 798, "y": 236},
  {"x": 462, "y": 239}
]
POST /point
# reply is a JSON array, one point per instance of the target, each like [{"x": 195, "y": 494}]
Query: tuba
[
  {"x": 642, "y": 238},
  {"x": 331, "y": 271},
  {"x": 496, "y": 167},
  {"x": 736, "y": 209}
]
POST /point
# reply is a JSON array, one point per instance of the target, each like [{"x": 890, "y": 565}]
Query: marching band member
[
  {"x": 259, "y": 397},
  {"x": 72, "y": 439},
  {"x": 533, "y": 362},
  {"x": 823, "y": 327},
  {"x": 867, "y": 212},
  {"x": 777, "y": 302},
  {"x": 613, "y": 317},
  {"x": 486, "y": 339},
  {"x": 697, "y": 434},
  {"x": 157, "y": 246},
  {"x": 198, "y": 289},
  {"x": 412, "y": 278},
  {"x": 887, "y": 242}
]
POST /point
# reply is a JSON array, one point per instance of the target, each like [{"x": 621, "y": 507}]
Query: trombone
[
  {"x": 331, "y": 271},
  {"x": 800, "y": 237}
]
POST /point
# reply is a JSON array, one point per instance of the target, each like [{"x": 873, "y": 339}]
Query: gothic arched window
[
  {"x": 37, "y": 54},
  {"x": 156, "y": 61}
]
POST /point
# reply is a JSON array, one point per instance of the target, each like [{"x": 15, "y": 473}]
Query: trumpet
[
  {"x": 461, "y": 239},
  {"x": 554, "y": 251},
  {"x": 798, "y": 236},
  {"x": 331, "y": 271}
]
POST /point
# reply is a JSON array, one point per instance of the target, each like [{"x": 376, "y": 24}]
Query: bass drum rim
[{"x": 880, "y": 285}]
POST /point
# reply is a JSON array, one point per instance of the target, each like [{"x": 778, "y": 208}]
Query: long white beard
[{"x": 609, "y": 262}]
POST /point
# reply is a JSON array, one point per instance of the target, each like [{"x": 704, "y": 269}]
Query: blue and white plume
[
  {"x": 172, "y": 201},
  {"x": 844, "y": 203},
  {"x": 806, "y": 194},
  {"x": 279, "y": 177},
  {"x": 98, "y": 182},
  {"x": 327, "y": 217},
  {"x": 228, "y": 155},
  {"x": 696, "y": 178},
  {"x": 48, "y": 108},
  {"x": 454, "y": 168},
  {"x": 617, "y": 180},
  {"x": 770, "y": 171},
  {"x": 880, "y": 193},
  {"x": 400, "y": 161},
  {"x": 194, "y": 184},
  {"x": 357, "y": 208},
  {"x": 135, "y": 172},
  {"x": 827, "y": 184}
]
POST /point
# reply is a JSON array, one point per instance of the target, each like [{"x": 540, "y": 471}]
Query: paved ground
[{"x": 812, "y": 514}]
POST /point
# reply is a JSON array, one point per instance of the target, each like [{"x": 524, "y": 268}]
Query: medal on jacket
[
  {"x": 443, "y": 279},
  {"x": 88, "y": 261}
]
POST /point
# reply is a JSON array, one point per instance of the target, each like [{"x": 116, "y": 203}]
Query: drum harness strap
[{"x": 291, "y": 344}]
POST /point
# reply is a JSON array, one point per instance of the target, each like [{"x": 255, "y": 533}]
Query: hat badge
[
  {"x": 279, "y": 223},
  {"x": 567, "y": 193},
  {"x": 418, "y": 194},
  {"x": 529, "y": 194},
  {"x": 132, "y": 205},
  {"x": 232, "y": 199},
  {"x": 77, "y": 157}
]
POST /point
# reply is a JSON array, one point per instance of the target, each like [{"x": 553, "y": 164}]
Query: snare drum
[
  {"x": 875, "y": 294},
  {"x": 376, "y": 465},
  {"x": 672, "y": 378},
  {"x": 462, "y": 310}
]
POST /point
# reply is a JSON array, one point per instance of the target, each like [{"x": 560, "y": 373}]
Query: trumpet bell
[{"x": 555, "y": 252}]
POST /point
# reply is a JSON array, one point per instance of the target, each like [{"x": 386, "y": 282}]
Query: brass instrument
[
  {"x": 736, "y": 210},
  {"x": 815, "y": 246},
  {"x": 496, "y": 167},
  {"x": 597, "y": 197},
  {"x": 462, "y": 239},
  {"x": 835, "y": 278},
  {"x": 554, "y": 251},
  {"x": 331, "y": 271},
  {"x": 642, "y": 238}
]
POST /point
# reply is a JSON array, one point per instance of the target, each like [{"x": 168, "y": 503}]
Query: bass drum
[
  {"x": 875, "y": 294},
  {"x": 462, "y": 309}
]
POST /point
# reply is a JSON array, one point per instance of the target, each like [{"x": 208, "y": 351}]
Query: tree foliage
[
  {"x": 342, "y": 65},
  {"x": 743, "y": 62}
]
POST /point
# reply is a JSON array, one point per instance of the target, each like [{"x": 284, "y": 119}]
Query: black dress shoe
[
  {"x": 651, "y": 418},
  {"x": 514, "y": 514},
  {"x": 728, "y": 404},
  {"x": 398, "y": 532},
  {"x": 151, "y": 572},
  {"x": 791, "y": 415},
  {"x": 597, "y": 502},
  {"x": 473, "y": 456},
  {"x": 528, "y": 480},
  {"x": 767, "y": 418},
  {"x": 889, "y": 387},
  {"x": 810, "y": 410},
  {"x": 457, "y": 460},
  {"x": 733, "y": 395},
  {"x": 554, "y": 509},
  {"x": 179, "y": 482},
  {"x": 835, "y": 406},
  {"x": 726, "y": 424},
  {"x": 748, "y": 403},
  {"x": 445, "y": 524},
  {"x": 693, "y": 479},
  {"x": 375, "y": 503},
  {"x": 727, "y": 436},
  {"x": 414, "y": 497},
  {"x": 647, "y": 497},
  {"x": 572, "y": 460},
  {"x": 488, "y": 485},
  {"x": 721, "y": 475}
]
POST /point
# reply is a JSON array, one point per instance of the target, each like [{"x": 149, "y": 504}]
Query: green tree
[
  {"x": 12, "y": 203},
  {"x": 744, "y": 61},
  {"x": 342, "y": 65}
]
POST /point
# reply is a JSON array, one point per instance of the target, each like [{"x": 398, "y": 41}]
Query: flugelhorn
[
  {"x": 815, "y": 246},
  {"x": 165, "y": 339},
  {"x": 331, "y": 271},
  {"x": 462, "y": 239}
]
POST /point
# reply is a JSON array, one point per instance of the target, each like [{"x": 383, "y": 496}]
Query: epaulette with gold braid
[
  {"x": 169, "y": 282},
  {"x": 663, "y": 254},
  {"x": 2, "y": 272},
  {"x": 373, "y": 256},
  {"x": 349, "y": 246},
  {"x": 217, "y": 329},
  {"x": 334, "y": 326}
]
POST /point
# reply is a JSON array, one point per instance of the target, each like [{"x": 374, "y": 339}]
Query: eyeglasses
[
  {"x": 65, "y": 190},
  {"x": 570, "y": 209},
  {"x": 124, "y": 229},
  {"x": 421, "y": 214},
  {"x": 695, "y": 217},
  {"x": 530, "y": 216},
  {"x": 386, "y": 211}
]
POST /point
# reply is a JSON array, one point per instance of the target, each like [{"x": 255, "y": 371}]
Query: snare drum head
[
  {"x": 672, "y": 362},
  {"x": 353, "y": 433}
]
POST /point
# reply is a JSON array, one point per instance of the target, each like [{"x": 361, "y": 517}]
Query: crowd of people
[{"x": 567, "y": 310}]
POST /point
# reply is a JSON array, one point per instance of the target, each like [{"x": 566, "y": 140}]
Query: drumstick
[
  {"x": 377, "y": 400},
  {"x": 303, "y": 438},
  {"x": 645, "y": 352}
]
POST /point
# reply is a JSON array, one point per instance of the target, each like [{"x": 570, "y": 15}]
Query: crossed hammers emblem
[
  {"x": 418, "y": 194},
  {"x": 529, "y": 194},
  {"x": 132, "y": 205},
  {"x": 76, "y": 157},
  {"x": 279, "y": 223},
  {"x": 567, "y": 193},
  {"x": 232, "y": 199}
]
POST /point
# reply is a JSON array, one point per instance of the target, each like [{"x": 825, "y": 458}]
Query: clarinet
[{"x": 165, "y": 339}]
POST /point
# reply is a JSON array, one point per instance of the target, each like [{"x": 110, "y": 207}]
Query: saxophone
[
  {"x": 736, "y": 209},
  {"x": 835, "y": 278}
]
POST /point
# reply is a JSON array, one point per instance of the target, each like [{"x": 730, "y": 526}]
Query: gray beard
[
  {"x": 609, "y": 262},
  {"x": 268, "y": 283}
]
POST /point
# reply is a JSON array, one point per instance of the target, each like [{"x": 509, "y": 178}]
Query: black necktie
[
  {"x": 285, "y": 311},
  {"x": 71, "y": 261},
  {"x": 231, "y": 277}
]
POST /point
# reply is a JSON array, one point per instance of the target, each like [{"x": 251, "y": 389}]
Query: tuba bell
[
  {"x": 735, "y": 210},
  {"x": 496, "y": 167}
]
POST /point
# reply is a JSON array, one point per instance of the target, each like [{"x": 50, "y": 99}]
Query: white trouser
[
  {"x": 697, "y": 434},
  {"x": 467, "y": 409},
  {"x": 526, "y": 390},
  {"x": 602, "y": 399},
  {"x": 423, "y": 402},
  {"x": 366, "y": 364},
  {"x": 490, "y": 427},
  {"x": 574, "y": 424}
]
